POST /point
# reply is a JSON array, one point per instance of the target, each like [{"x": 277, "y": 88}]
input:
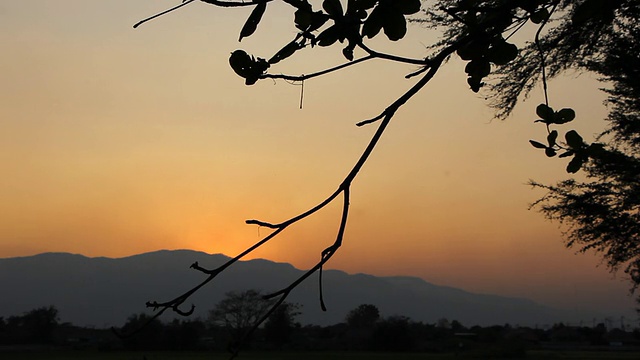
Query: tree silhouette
[
  {"x": 567, "y": 34},
  {"x": 364, "y": 316},
  {"x": 603, "y": 211},
  {"x": 281, "y": 323},
  {"x": 35, "y": 326},
  {"x": 239, "y": 312},
  {"x": 150, "y": 338}
]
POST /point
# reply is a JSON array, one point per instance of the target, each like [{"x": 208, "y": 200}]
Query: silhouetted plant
[
  {"x": 393, "y": 334},
  {"x": 603, "y": 211},
  {"x": 33, "y": 327},
  {"x": 149, "y": 339},
  {"x": 569, "y": 34},
  {"x": 281, "y": 323},
  {"x": 364, "y": 316},
  {"x": 239, "y": 311}
]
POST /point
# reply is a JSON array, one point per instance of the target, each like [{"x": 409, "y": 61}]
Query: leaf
[
  {"x": 550, "y": 152},
  {"x": 373, "y": 24},
  {"x": 356, "y": 5},
  {"x": 297, "y": 3},
  {"x": 473, "y": 50},
  {"x": 407, "y": 7},
  {"x": 529, "y": 5},
  {"x": 537, "y": 144},
  {"x": 564, "y": 116},
  {"x": 285, "y": 52},
  {"x": 566, "y": 154},
  {"x": 574, "y": 140},
  {"x": 333, "y": 8},
  {"x": 329, "y": 36},
  {"x": 302, "y": 19},
  {"x": 502, "y": 52},
  {"x": 545, "y": 112},
  {"x": 307, "y": 20},
  {"x": 247, "y": 66},
  {"x": 551, "y": 138},
  {"x": 596, "y": 150},
  {"x": 575, "y": 164},
  {"x": 252, "y": 22},
  {"x": 240, "y": 62},
  {"x": 475, "y": 83},
  {"x": 348, "y": 52},
  {"x": 539, "y": 16},
  {"x": 478, "y": 68},
  {"x": 590, "y": 9},
  {"x": 395, "y": 26},
  {"x": 318, "y": 19}
]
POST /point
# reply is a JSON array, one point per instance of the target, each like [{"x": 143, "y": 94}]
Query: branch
[
  {"x": 184, "y": 3},
  {"x": 344, "y": 188},
  {"x": 316, "y": 74},
  {"x": 212, "y": 2},
  {"x": 436, "y": 62},
  {"x": 542, "y": 54},
  {"x": 234, "y": 3},
  {"x": 372, "y": 55},
  {"x": 392, "y": 57}
]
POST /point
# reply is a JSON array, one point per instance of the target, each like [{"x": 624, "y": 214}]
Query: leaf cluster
[
  {"x": 325, "y": 27},
  {"x": 574, "y": 144}
]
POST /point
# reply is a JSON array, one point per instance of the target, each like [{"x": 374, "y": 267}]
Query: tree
[
  {"x": 144, "y": 332},
  {"x": 240, "y": 312},
  {"x": 602, "y": 213},
  {"x": 393, "y": 334},
  {"x": 569, "y": 34},
  {"x": 281, "y": 323},
  {"x": 364, "y": 316},
  {"x": 39, "y": 324}
]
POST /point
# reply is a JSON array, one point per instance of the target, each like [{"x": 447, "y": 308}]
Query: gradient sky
[{"x": 115, "y": 141}]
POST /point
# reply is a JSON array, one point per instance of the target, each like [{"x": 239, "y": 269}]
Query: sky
[{"x": 115, "y": 141}]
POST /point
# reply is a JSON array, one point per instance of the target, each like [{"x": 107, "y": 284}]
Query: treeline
[{"x": 364, "y": 329}]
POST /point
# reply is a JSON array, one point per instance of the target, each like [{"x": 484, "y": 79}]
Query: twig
[
  {"x": 212, "y": 2},
  {"x": 392, "y": 57},
  {"x": 162, "y": 13},
  {"x": 542, "y": 54},
  {"x": 316, "y": 74}
]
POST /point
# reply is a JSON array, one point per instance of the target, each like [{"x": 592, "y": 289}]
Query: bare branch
[
  {"x": 319, "y": 73},
  {"x": 234, "y": 3},
  {"x": 185, "y": 3},
  {"x": 428, "y": 68},
  {"x": 393, "y": 57},
  {"x": 262, "y": 223},
  {"x": 212, "y": 2}
]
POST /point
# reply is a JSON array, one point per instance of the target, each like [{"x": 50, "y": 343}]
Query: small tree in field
[
  {"x": 281, "y": 324},
  {"x": 364, "y": 316},
  {"x": 239, "y": 312},
  {"x": 583, "y": 35}
]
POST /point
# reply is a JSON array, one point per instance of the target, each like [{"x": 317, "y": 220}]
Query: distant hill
[{"x": 103, "y": 292}]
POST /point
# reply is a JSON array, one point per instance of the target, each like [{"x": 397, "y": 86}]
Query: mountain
[{"x": 103, "y": 292}]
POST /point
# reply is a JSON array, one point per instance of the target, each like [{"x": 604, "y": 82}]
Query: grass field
[{"x": 531, "y": 355}]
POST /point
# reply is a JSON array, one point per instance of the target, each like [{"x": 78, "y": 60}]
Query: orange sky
[{"x": 116, "y": 141}]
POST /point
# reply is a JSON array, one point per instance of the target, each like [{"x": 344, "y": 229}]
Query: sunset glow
[{"x": 115, "y": 141}]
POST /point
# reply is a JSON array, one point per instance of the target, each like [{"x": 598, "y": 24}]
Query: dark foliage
[
  {"x": 281, "y": 324},
  {"x": 602, "y": 212},
  {"x": 33, "y": 327},
  {"x": 364, "y": 316}
]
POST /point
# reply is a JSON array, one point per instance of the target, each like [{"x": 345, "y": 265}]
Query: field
[{"x": 531, "y": 355}]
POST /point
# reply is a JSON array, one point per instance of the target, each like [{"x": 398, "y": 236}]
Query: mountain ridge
[{"x": 103, "y": 291}]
